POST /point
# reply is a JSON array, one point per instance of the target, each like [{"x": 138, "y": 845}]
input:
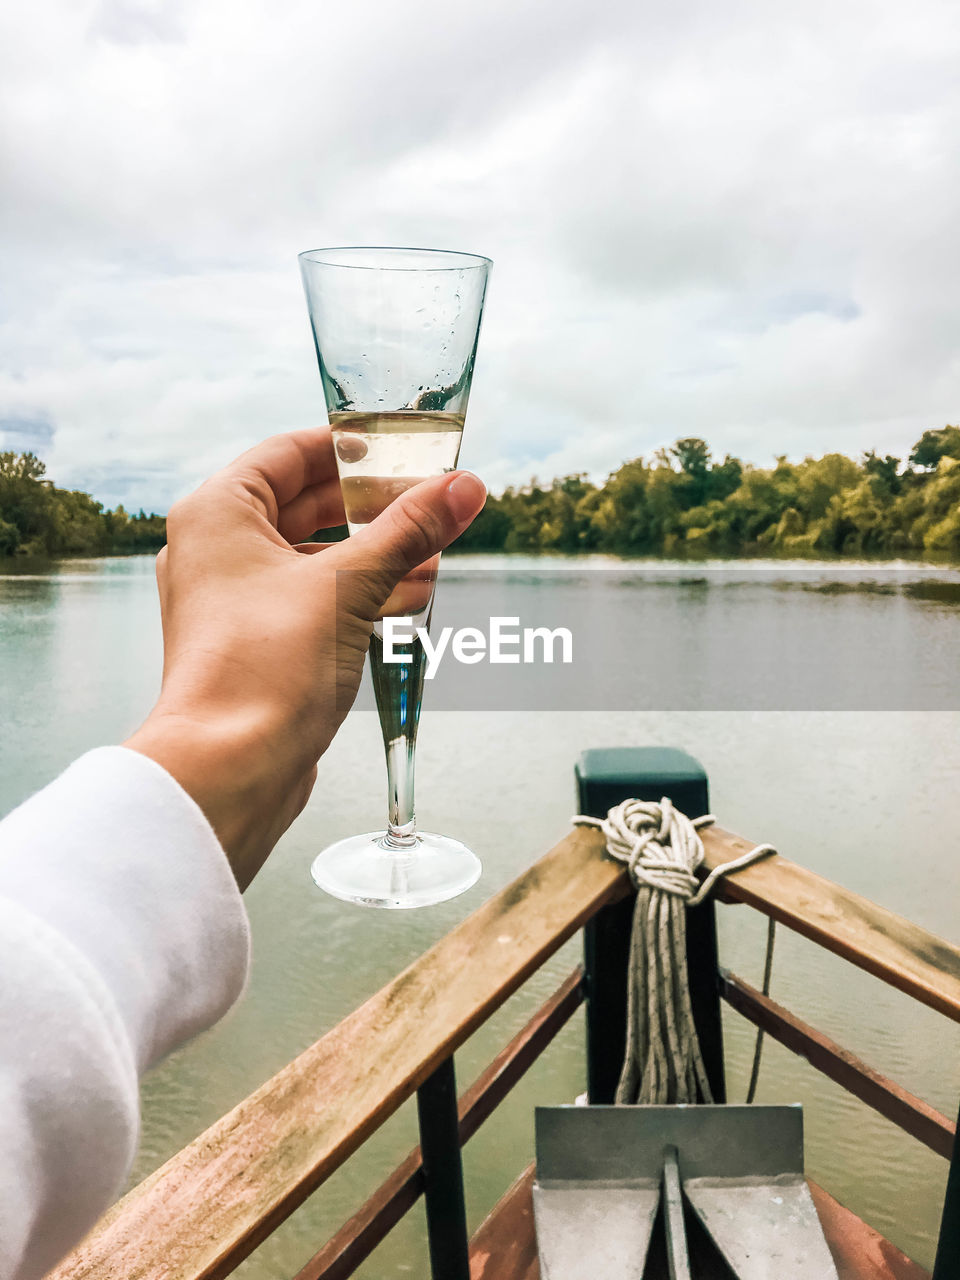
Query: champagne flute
[{"x": 396, "y": 334}]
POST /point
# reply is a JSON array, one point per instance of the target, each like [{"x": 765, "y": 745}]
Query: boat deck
[
  {"x": 504, "y": 1246},
  {"x": 214, "y": 1202}
]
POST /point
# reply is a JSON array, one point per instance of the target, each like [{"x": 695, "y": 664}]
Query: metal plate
[
  {"x": 586, "y": 1232},
  {"x": 764, "y": 1230},
  {"x": 624, "y": 1143},
  {"x": 599, "y": 1171}
]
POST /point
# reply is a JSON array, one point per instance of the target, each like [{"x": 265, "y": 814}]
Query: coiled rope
[{"x": 662, "y": 851}]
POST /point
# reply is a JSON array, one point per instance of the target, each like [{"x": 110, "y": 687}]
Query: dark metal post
[
  {"x": 606, "y": 950},
  {"x": 947, "y": 1265},
  {"x": 604, "y": 778},
  {"x": 443, "y": 1175}
]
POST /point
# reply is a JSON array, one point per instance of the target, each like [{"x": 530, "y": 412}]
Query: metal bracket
[{"x": 600, "y": 1171}]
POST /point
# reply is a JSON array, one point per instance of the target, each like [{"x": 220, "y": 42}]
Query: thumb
[{"x": 411, "y": 531}]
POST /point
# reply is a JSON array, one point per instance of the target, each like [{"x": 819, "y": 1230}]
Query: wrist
[{"x": 244, "y": 788}]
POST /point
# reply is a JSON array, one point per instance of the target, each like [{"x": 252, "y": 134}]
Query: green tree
[
  {"x": 36, "y": 518},
  {"x": 9, "y": 538},
  {"x": 693, "y": 456},
  {"x": 725, "y": 478},
  {"x": 884, "y": 472},
  {"x": 934, "y": 445},
  {"x": 681, "y": 502},
  {"x": 25, "y": 499}
]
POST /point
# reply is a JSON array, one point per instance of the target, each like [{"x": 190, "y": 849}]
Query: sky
[{"x": 739, "y": 221}]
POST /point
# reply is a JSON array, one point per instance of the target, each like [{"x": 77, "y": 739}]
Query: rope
[
  {"x": 758, "y": 1043},
  {"x": 662, "y": 851}
]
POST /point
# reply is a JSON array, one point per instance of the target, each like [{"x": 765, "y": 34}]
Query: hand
[{"x": 265, "y": 638}]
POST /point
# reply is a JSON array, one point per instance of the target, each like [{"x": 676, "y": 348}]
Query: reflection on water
[
  {"x": 729, "y": 638},
  {"x": 869, "y": 799},
  {"x": 947, "y": 593}
]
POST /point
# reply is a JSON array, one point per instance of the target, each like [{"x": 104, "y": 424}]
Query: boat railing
[{"x": 214, "y": 1202}]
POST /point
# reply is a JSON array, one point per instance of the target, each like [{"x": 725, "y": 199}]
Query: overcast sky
[{"x": 735, "y": 220}]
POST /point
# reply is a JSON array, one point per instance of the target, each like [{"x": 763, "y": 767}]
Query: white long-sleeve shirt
[{"x": 122, "y": 934}]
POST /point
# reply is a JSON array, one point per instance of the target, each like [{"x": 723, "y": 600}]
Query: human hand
[{"x": 265, "y": 638}]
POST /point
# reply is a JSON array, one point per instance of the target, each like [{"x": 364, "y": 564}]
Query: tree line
[
  {"x": 684, "y": 502},
  {"x": 681, "y": 501},
  {"x": 38, "y": 519}
]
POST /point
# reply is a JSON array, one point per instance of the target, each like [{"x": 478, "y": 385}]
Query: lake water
[{"x": 866, "y": 795}]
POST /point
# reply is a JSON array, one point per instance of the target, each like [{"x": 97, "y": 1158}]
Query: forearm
[{"x": 123, "y": 934}]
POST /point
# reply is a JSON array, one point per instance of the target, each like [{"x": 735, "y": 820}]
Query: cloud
[
  {"x": 134, "y": 22},
  {"x": 27, "y": 434},
  {"x": 735, "y": 221}
]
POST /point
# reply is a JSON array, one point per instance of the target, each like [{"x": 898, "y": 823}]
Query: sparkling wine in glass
[{"x": 396, "y": 335}]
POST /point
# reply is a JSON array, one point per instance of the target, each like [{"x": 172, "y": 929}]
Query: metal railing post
[
  {"x": 947, "y": 1264},
  {"x": 605, "y": 777},
  {"x": 606, "y": 949},
  {"x": 443, "y": 1174}
]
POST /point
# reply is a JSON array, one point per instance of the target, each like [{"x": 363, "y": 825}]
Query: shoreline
[{"x": 11, "y": 565}]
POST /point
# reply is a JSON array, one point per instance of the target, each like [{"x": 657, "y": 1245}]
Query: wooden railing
[
  {"x": 211, "y": 1204},
  {"x": 214, "y": 1202},
  {"x": 884, "y": 944}
]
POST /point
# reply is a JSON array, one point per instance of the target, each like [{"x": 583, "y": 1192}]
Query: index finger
[{"x": 280, "y": 468}]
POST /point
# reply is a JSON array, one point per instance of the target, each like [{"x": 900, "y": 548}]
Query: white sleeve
[{"x": 122, "y": 934}]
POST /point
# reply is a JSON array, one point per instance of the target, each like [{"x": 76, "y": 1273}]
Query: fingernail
[{"x": 465, "y": 495}]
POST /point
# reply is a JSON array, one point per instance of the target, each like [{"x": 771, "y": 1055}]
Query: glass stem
[
  {"x": 398, "y": 687},
  {"x": 401, "y": 821}
]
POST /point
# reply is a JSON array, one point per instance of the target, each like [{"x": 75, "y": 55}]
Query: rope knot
[
  {"x": 662, "y": 851},
  {"x": 661, "y": 848},
  {"x": 658, "y": 844}
]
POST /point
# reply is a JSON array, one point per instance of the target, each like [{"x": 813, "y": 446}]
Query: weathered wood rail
[
  {"x": 910, "y": 1113},
  {"x": 204, "y": 1211},
  {"x": 360, "y": 1235},
  {"x": 870, "y": 937},
  {"x": 211, "y": 1204}
]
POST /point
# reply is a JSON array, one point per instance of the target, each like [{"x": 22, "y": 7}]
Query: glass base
[{"x": 360, "y": 869}]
